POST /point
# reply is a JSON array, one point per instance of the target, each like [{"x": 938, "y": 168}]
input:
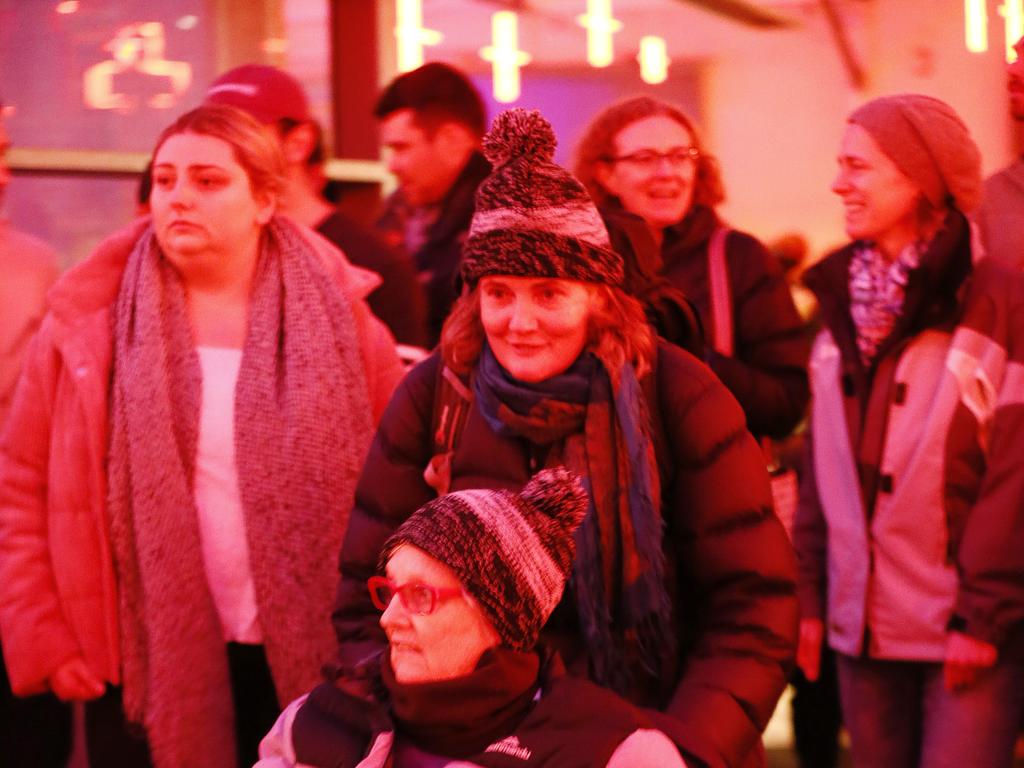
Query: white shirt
[{"x": 221, "y": 515}]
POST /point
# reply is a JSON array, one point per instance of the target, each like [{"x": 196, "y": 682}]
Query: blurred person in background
[
  {"x": 278, "y": 100},
  {"x": 682, "y": 597},
  {"x": 910, "y": 527},
  {"x": 645, "y": 156},
  {"x": 181, "y": 456},
  {"x": 34, "y": 731},
  {"x": 431, "y": 123},
  {"x": 1000, "y": 216},
  {"x": 469, "y": 580}
]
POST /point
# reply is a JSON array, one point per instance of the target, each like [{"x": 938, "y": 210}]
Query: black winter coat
[
  {"x": 731, "y": 569},
  {"x": 768, "y": 370}
]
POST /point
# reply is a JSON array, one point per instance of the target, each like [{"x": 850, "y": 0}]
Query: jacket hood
[{"x": 93, "y": 284}]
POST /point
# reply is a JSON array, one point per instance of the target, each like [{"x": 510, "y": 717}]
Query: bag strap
[
  {"x": 721, "y": 294},
  {"x": 453, "y": 400}
]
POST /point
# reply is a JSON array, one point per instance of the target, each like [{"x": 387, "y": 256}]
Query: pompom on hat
[
  {"x": 533, "y": 218},
  {"x": 929, "y": 143},
  {"x": 512, "y": 551}
]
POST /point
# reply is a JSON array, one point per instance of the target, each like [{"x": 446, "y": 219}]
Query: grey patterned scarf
[{"x": 302, "y": 426}]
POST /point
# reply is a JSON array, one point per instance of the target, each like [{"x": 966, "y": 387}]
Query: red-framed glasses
[{"x": 421, "y": 599}]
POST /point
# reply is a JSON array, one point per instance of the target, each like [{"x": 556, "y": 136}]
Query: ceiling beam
[
  {"x": 854, "y": 70},
  {"x": 745, "y": 12}
]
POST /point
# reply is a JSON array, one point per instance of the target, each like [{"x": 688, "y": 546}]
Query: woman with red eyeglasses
[{"x": 469, "y": 580}]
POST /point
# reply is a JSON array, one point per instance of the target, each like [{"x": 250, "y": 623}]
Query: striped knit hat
[
  {"x": 511, "y": 551},
  {"x": 533, "y": 218}
]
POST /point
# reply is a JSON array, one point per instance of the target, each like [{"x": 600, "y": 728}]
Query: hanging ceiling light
[
  {"x": 1012, "y": 12},
  {"x": 505, "y": 56},
  {"x": 600, "y": 26},
  {"x": 411, "y": 35},
  {"x": 976, "y": 25},
  {"x": 653, "y": 60}
]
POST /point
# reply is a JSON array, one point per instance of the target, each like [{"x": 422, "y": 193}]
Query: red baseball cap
[{"x": 265, "y": 92}]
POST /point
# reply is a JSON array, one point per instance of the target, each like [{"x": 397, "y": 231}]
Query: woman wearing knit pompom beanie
[
  {"x": 910, "y": 532},
  {"x": 682, "y": 596},
  {"x": 468, "y": 580}
]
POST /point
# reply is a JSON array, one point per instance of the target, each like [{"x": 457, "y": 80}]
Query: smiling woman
[
  {"x": 646, "y": 157},
  {"x": 909, "y": 528},
  {"x": 552, "y": 363},
  {"x": 200, "y": 368}
]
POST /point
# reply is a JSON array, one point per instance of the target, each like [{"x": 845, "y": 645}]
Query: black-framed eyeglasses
[
  {"x": 649, "y": 159},
  {"x": 421, "y": 599}
]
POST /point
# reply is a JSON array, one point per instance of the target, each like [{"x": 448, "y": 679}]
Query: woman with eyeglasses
[
  {"x": 469, "y": 580},
  {"x": 681, "y": 598},
  {"x": 644, "y": 156}
]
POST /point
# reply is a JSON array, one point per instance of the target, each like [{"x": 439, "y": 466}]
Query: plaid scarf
[
  {"x": 618, "y": 579},
  {"x": 301, "y": 429},
  {"x": 877, "y": 291}
]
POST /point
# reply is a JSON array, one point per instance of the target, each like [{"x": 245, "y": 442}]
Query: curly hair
[
  {"x": 618, "y": 332},
  {"x": 597, "y": 145}
]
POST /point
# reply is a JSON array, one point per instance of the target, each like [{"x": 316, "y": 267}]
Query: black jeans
[
  {"x": 35, "y": 732},
  {"x": 114, "y": 742}
]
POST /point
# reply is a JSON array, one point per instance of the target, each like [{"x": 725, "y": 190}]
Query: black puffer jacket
[
  {"x": 768, "y": 371},
  {"x": 731, "y": 570}
]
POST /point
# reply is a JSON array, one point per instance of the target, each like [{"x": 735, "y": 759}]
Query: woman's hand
[
  {"x": 808, "y": 652},
  {"x": 966, "y": 656},
  {"x": 74, "y": 681}
]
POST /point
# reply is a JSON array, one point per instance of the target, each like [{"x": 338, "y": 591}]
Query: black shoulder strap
[{"x": 453, "y": 399}]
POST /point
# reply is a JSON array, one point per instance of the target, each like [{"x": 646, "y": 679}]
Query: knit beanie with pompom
[
  {"x": 512, "y": 551},
  {"x": 533, "y": 218}
]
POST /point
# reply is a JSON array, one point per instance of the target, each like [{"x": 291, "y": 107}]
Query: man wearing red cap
[
  {"x": 1000, "y": 217},
  {"x": 277, "y": 99}
]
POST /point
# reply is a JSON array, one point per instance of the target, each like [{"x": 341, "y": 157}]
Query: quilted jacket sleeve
[
  {"x": 390, "y": 489},
  {"x": 990, "y": 599},
  {"x": 737, "y": 570},
  {"x": 36, "y": 637}
]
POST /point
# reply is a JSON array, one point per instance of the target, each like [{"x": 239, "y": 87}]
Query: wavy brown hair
[
  {"x": 597, "y": 146},
  {"x": 618, "y": 332}
]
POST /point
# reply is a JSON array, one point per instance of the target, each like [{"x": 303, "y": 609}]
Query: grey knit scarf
[{"x": 302, "y": 426}]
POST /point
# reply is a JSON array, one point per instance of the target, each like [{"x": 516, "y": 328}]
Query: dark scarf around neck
[
  {"x": 618, "y": 578},
  {"x": 461, "y": 717}
]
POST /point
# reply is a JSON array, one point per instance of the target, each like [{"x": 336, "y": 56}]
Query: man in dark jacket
[
  {"x": 432, "y": 120},
  {"x": 277, "y": 99}
]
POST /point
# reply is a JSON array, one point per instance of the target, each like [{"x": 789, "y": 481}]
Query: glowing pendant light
[
  {"x": 411, "y": 35},
  {"x": 653, "y": 60},
  {"x": 505, "y": 56},
  {"x": 600, "y": 26},
  {"x": 976, "y": 26}
]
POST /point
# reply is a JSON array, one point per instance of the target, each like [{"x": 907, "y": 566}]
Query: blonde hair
[
  {"x": 254, "y": 146},
  {"x": 618, "y": 332},
  {"x": 598, "y": 146}
]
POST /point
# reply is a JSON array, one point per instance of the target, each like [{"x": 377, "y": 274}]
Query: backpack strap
[
  {"x": 453, "y": 400},
  {"x": 722, "y": 339}
]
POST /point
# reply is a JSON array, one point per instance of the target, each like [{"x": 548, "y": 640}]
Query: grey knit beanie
[
  {"x": 533, "y": 218},
  {"x": 512, "y": 551},
  {"x": 929, "y": 143}
]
